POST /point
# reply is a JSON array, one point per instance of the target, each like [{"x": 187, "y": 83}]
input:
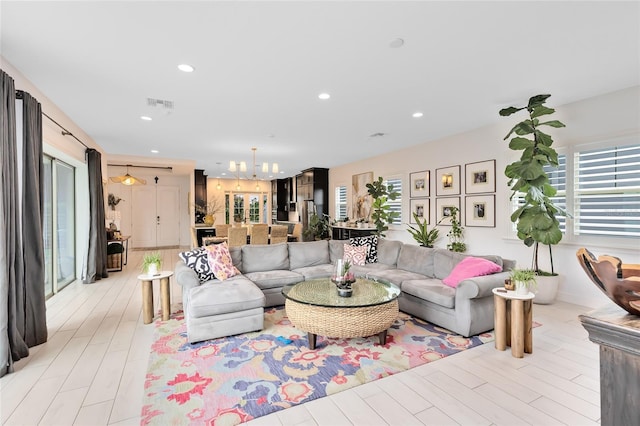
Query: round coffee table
[{"x": 314, "y": 307}]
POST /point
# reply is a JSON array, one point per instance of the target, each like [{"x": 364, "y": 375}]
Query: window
[
  {"x": 607, "y": 191},
  {"x": 341, "y": 202},
  {"x": 558, "y": 179},
  {"x": 254, "y": 208},
  {"x": 599, "y": 189},
  {"x": 238, "y": 207},
  {"x": 59, "y": 220},
  {"x": 396, "y": 205}
]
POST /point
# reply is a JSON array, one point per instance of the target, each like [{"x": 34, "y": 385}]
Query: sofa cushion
[
  {"x": 416, "y": 259},
  {"x": 197, "y": 259},
  {"x": 336, "y": 250},
  {"x": 388, "y": 251},
  {"x": 394, "y": 276},
  {"x": 220, "y": 261},
  {"x": 236, "y": 256},
  {"x": 370, "y": 241},
  {"x": 258, "y": 257},
  {"x": 313, "y": 272},
  {"x": 470, "y": 267},
  {"x": 432, "y": 290},
  {"x": 274, "y": 279},
  {"x": 310, "y": 253},
  {"x": 355, "y": 255},
  {"x": 221, "y": 297}
]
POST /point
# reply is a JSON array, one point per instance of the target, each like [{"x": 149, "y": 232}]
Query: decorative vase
[
  {"x": 345, "y": 292},
  {"x": 209, "y": 219},
  {"x": 509, "y": 284}
]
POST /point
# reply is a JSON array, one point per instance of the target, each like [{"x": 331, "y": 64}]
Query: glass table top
[{"x": 323, "y": 292}]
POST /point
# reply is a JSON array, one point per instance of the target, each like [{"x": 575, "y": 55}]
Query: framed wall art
[
  {"x": 480, "y": 177},
  {"x": 360, "y": 198},
  {"x": 443, "y": 209},
  {"x": 448, "y": 181},
  {"x": 419, "y": 184},
  {"x": 480, "y": 210},
  {"x": 419, "y": 206}
]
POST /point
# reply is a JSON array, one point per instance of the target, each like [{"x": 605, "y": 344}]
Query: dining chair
[
  {"x": 237, "y": 236},
  {"x": 222, "y": 234},
  {"x": 278, "y": 234},
  {"x": 297, "y": 232},
  {"x": 259, "y": 233}
]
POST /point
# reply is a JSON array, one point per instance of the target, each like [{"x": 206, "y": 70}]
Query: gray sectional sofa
[{"x": 222, "y": 308}]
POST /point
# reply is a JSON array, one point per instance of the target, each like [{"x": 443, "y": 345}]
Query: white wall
[{"x": 594, "y": 120}]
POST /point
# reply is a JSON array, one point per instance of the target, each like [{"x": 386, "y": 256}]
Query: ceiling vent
[{"x": 159, "y": 103}]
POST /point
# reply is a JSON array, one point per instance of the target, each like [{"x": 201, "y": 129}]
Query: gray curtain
[
  {"x": 35, "y": 319},
  {"x": 97, "y": 255},
  {"x": 11, "y": 266}
]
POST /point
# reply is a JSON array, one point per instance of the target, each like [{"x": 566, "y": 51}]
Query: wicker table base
[{"x": 342, "y": 322}]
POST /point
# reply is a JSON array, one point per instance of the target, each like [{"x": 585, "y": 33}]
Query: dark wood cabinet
[
  {"x": 200, "y": 196},
  {"x": 313, "y": 185},
  {"x": 280, "y": 200}
]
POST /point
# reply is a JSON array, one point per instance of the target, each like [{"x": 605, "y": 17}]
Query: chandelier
[{"x": 238, "y": 167}]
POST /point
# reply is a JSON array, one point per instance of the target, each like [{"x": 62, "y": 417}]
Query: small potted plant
[
  {"x": 422, "y": 234},
  {"x": 525, "y": 280},
  {"x": 151, "y": 263}
]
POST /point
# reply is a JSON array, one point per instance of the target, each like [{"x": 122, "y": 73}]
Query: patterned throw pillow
[
  {"x": 372, "y": 242},
  {"x": 355, "y": 255},
  {"x": 196, "y": 259},
  {"x": 220, "y": 261}
]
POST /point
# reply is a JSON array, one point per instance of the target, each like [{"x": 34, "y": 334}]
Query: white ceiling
[{"x": 261, "y": 65}]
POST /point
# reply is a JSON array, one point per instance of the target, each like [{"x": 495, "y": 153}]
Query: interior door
[
  {"x": 167, "y": 216},
  {"x": 143, "y": 216},
  {"x": 155, "y": 217}
]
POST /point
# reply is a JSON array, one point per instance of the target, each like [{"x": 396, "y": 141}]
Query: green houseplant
[
  {"x": 381, "y": 212},
  {"x": 152, "y": 263},
  {"x": 318, "y": 227},
  {"x": 524, "y": 279},
  {"x": 456, "y": 233},
  {"x": 422, "y": 234},
  {"x": 535, "y": 218}
]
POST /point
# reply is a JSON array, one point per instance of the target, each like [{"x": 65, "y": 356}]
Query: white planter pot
[
  {"x": 152, "y": 269},
  {"x": 521, "y": 288},
  {"x": 547, "y": 289}
]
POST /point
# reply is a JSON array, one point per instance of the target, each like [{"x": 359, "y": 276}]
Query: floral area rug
[{"x": 231, "y": 380}]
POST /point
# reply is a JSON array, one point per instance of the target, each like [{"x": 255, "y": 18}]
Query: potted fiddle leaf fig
[
  {"x": 535, "y": 218},
  {"x": 381, "y": 212}
]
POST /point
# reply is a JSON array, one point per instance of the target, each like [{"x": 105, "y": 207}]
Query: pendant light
[{"x": 127, "y": 179}]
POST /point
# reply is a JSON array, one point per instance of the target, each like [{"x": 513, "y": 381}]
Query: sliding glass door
[{"x": 59, "y": 225}]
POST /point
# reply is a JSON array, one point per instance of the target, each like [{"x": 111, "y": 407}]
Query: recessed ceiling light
[
  {"x": 145, "y": 118},
  {"x": 396, "y": 43},
  {"x": 417, "y": 114},
  {"x": 155, "y": 151},
  {"x": 186, "y": 68},
  {"x": 324, "y": 96}
]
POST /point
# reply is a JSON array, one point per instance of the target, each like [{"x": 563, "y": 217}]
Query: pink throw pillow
[
  {"x": 355, "y": 255},
  {"x": 220, "y": 261},
  {"x": 470, "y": 267}
]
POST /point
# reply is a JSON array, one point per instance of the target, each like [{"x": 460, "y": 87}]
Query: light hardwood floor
[{"x": 92, "y": 369}]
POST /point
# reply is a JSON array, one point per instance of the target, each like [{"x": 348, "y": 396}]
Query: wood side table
[
  {"x": 513, "y": 321},
  {"x": 147, "y": 295}
]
